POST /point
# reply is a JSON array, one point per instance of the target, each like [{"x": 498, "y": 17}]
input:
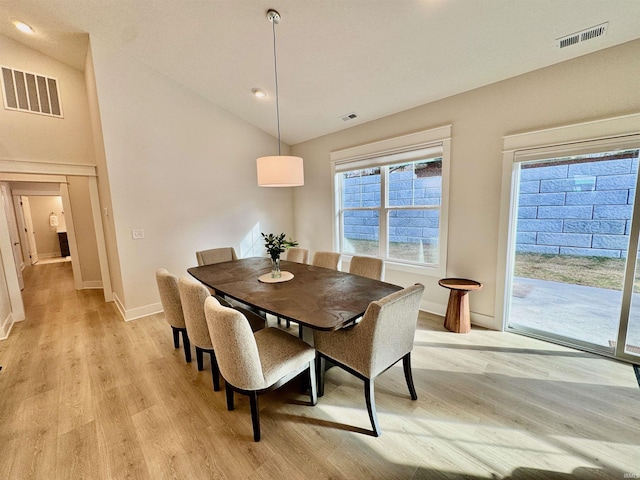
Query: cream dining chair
[
  {"x": 326, "y": 260},
  {"x": 383, "y": 337},
  {"x": 255, "y": 363},
  {"x": 219, "y": 255},
  {"x": 172, "y": 306},
  {"x": 370, "y": 267},
  {"x": 295, "y": 254},
  {"x": 193, "y": 295},
  {"x": 216, "y": 255}
]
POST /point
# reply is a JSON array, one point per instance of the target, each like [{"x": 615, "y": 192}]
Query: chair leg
[
  {"x": 215, "y": 371},
  {"x": 176, "y": 337},
  {"x": 320, "y": 364},
  {"x": 313, "y": 390},
  {"x": 371, "y": 406},
  {"x": 406, "y": 363},
  {"x": 229, "y": 392},
  {"x": 300, "y": 331},
  {"x": 255, "y": 415},
  {"x": 288, "y": 322},
  {"x": 187, "y": 346},
  {"x": 199, "y": 359}
]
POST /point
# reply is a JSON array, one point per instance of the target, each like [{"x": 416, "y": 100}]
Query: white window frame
[{"x": 403, "y": 149}]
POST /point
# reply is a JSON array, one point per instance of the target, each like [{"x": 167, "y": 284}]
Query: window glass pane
[
  {"x": 416, "y": 183},
  {"x": 361, "y": 188},
  {"x": 572, "y": 239},
  {"x": 413, "y": 235},
  {"x": 361, "y": 232}
]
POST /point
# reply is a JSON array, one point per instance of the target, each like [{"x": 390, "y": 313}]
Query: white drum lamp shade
[{"x": 280, "y": 171}]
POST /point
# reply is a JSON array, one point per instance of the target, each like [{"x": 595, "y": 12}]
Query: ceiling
[{"x": 371, "y": 57}]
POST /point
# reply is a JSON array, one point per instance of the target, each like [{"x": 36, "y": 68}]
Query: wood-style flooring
[{"x": 84, "y": 394}]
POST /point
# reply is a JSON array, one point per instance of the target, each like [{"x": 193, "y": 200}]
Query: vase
[{"x": 275, "y": 268}]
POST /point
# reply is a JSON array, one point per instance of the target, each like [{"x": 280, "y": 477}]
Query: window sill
[{"x": 436, "y": 271}]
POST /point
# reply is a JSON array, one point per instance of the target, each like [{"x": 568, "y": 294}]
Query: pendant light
[{"x": 280, "y": 170}]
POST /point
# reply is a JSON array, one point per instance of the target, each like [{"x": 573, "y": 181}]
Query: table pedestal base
[{"x": 457, "y": 318}]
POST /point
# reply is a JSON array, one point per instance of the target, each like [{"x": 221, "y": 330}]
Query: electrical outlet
[{"x": 137, "y": 234}]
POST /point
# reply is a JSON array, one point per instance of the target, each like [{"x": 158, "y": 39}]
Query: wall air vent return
[
  {"x": 349, "y": 116},
  {"x": 30, "y": 92},
  {"x": 583, "y": 36}
]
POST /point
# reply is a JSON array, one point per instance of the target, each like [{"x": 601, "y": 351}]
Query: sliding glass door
[{"x": 572, "y": 279}]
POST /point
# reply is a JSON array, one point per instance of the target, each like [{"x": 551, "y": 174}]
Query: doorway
[
  {"x": 63, "y": 175},
  {"x": 573, "y": 276},
  {"x": 45, "y": 227}
]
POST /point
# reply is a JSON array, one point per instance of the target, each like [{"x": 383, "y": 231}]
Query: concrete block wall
[
  {"x": 577, "y": 209},
  {"x": 406, "y": 226}
]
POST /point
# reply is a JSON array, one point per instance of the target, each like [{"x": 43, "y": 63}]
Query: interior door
[
  {"x": 31, "y": 234},
  {"x": 13, "y": 233}
]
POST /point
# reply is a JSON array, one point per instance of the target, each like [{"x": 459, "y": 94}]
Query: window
[{"x": 391, "y": 198}]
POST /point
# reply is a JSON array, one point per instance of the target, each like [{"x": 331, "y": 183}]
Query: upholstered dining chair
[
  {"x": 255, "y": 363},
  {"x": 172, "y": 306},
  {"x": 216, "y": 255},
  {"x": 370, "y": 267},
  {"x": 193, "y": 295},
  {"x": 296, "y": 254},
  {"x": 383, "y": 337},
  {"x": 213, "y": 256},
  {"x": 326, "y": 260}
]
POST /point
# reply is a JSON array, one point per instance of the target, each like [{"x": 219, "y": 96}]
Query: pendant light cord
[{"x": 275, "y": 67}]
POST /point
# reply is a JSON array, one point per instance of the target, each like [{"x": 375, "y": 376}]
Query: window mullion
[{"x": 383, "y": 212}]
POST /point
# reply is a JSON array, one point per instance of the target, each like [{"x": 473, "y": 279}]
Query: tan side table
[{"x": 457, "y": 318}]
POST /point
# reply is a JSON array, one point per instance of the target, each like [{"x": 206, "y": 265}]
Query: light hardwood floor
[{"x": 85, "y": 395}]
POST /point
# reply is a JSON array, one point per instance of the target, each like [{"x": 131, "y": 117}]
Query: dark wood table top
[{"x": 316, "y": 297}]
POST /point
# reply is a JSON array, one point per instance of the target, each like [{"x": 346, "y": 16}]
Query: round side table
[{"x": 457, "y": 318}]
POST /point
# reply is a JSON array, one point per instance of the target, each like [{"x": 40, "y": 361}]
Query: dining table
[{"x": 315, "y": 297}]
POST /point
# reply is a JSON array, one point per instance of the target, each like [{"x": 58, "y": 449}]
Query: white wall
[
  {"x": 27, "y": 136},
  {"x": 600, "y": 85},
  {"x": 84, "y": 230},
  {"x": 181, "y": 169},
  {"x": 47, "y": 243}
]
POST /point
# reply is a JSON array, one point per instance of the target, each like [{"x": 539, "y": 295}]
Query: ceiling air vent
[
  {"x": 30, "y": 92},
  {"x": 583, "y": 36},
  {"x": 349, "y": 116}
]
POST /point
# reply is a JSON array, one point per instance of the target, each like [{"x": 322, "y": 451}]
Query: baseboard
[
  {"x": 136, "y": 313},
  {"x": 119, "y": 306},
  {"x": 92, "y": 284},
  {"x": 477, "y": 319},
  {"x": 6, "y": 326},
  {"x": 48, "y": 255},
  {"x": 435, "y": 308},
  {"x": 485, "y": 321}
]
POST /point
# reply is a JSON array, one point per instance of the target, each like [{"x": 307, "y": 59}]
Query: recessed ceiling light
[
  {"x": 23, "y": 27},
  {"x": 259, "y": 92}
]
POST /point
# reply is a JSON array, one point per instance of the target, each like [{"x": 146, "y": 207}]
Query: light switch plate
[{"x": 137, "y": 234}]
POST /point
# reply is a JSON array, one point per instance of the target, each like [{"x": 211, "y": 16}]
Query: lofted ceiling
[{"x": 335, "y": 57}]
